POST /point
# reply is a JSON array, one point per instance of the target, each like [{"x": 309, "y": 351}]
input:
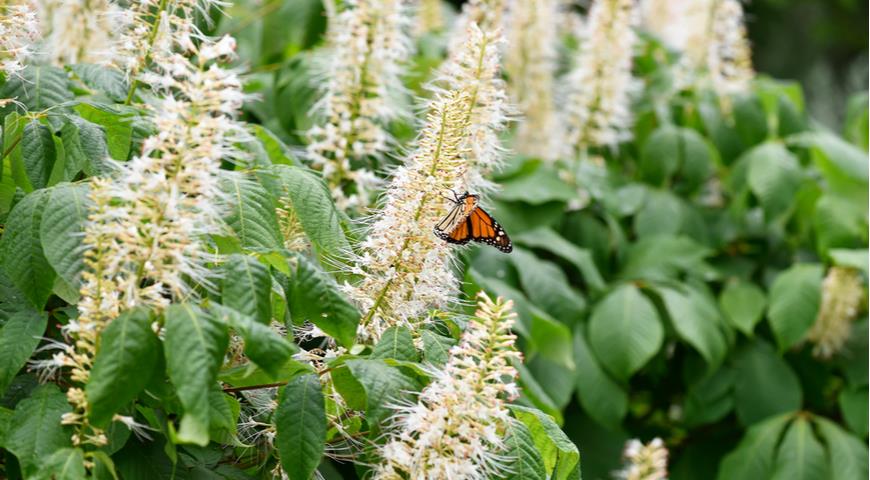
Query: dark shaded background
[{"x": 820, "y": 43}]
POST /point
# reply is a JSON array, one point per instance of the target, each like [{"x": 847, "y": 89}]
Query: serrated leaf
[
  {"x": 64, "y": 464},
  {"x": 128, "y": 344},
  {"x": 314, "y": 296},
  {"x": 847, "y": 454},
  {"x": 62, "y": 230},
  {"x": 37, "y": 153},
  {"x": 263, "y": 346},
  {"x": 251, "y": 213},
  {"x": 246, "y": 286},
  {"x": 38, "y": 88},
  {"x": 84, "y": 147},
  {"x": 18, "y": 339},
  {"x": 558, "y": 452},
  {"x": 35, "y": 431},
  {"x": 743, "y": 304},
  {"x": 525, "y": 460},
  {"x": 276, "y": 150},
  {"x": 117, "y": 123},
  {"x": 600, "y": 396},
  {"x": 625, "y": 331},
  {"x": 104, "y": 79},
  {"x": 305, "y": 193},
  {"x": 800, "y": 455},
  {"x": 396, "y": 343},
  {"x": 547, "y": 239},
  {"x": 754, "y": 456},
  {"x": 300, "y": 423},
  {"x": 795, "y": 297},
  {"x": 21, "y": 254},
  {"x": 194, "y": 347},
  {"x": 764, "y": 385},
  {"x": 384, "y": 385},
  {"x": 697, "y": 322}
]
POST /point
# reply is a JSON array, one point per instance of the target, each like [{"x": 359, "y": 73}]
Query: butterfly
[{"x": 466, "y": 221}]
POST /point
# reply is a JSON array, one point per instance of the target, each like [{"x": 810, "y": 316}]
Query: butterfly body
[{"x": 466, "y": 221}]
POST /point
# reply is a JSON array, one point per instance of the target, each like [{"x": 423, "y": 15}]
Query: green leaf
[
  {"x": 625, "y": 331},
  {"x": 697, "y": 322},
  {"x": 774, "y": 177},
  {"x": 38, "y": 88},
  {"x": 800, "y": 455},
  {"x": 547, "y": 239},
  {"x": 436, "y": 348},
  {"x": 754, "y": 456},
  {"x": 743, "y": 304},
  {"x": 246, "y": 287},
  {"x": 117, "y": 123},
  {"x": 662, "y": 257},
  {"x": 21, "y": 254},
  {"x": 857, "y": 259},
  {"x": 384, "y": 385},
  {"x": 764, "y": 384},
  {"x": 525, "y": 461},
  {"x": 540, "y": 186},
  {"x": 847, "y": 454},
  {"x": 558, "y": 452},
  {"x": 64, "y": 464},
  {"x": 600, "y": 396},
  {"x": 194, "y": 347},
  {"x": 128, "y": 344},
  {"x": 278, "y": 153},
  {"x": 396, "y": 343},
  {"x": 62, "y": 230},
  {"x": 263, "y": 346},
  {"x": 663, "y": 213},
  {"x": 35, "y": 431},
  {"x": 251, "y": 213},
  {"x": 104, "y": 79},
  {"x": 671, "y": 149},
  {"x": 838, "y": 222},
  {"x": 547, "y": 287},
  {"x": 304, "y": 193},
  {"x": 314, "y": 296},
  {"x": 291, "y": 27},
  {"x": 709, "y": 399},
  {"x": 18, "y": 338},
  {"x": 37, "y": 153},
  {"x": 300, "y": 423},
  {"x": 84, "y": 146},
  {"x": 854, "y": 405},
  {"x": 795, "y": 297},
  {"x": 857, "y": 123}
]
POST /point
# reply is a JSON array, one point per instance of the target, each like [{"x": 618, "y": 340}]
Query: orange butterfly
[{"x": 466, "y": 221}]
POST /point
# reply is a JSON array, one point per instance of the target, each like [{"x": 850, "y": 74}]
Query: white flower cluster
[
  {"x": 455, "y": 429},
  {"x": 598, "y": 97},
  {"x": 78, "y": 31},
  {"x": 645, "y": 462},
  {"x": 19, "y": 30},
  {"x": 404, "y": 267},
  {"x": 364, "y": 90},
  {"x": 531, "y": 63},
  {"x": 729, "y": 58},
  {"x": 144, "y": 230},
  {"x": 430, "y": 17},
  {"x": 474, "y": 68},
  {"x": 842, "y": 295}
]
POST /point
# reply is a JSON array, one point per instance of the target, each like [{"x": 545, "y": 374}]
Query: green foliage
[{"x": 300, "y": 422}]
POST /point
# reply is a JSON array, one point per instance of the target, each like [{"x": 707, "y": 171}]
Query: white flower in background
[
  {"x": 729, "y": 59},
  {"x": 842, "y": 296},
  {"x": 456, "y": 427},
  {"x": 404, "y": 267},
  {"x": 644, "y": 462},
  {"x": 597, "y": 103},
  {"x": 488, "y": 15},
  {"x": 531, "y": 61},
  {"x": 364, "y": 91},
  {"x": 78, "y": 31},
  {"x": 430, "y": 17},
  {"x": 679, "y": 24},
  {"x": 19, "y": 30},
  {"x": 144, "y": 231}
]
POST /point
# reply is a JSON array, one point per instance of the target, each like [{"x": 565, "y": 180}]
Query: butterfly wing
[
  {"x": 454, "y": 226},
  {"x": 483, "y": 228}
]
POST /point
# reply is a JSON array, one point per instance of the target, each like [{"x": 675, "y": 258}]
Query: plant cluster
[{"x": 218, "y": 260}]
